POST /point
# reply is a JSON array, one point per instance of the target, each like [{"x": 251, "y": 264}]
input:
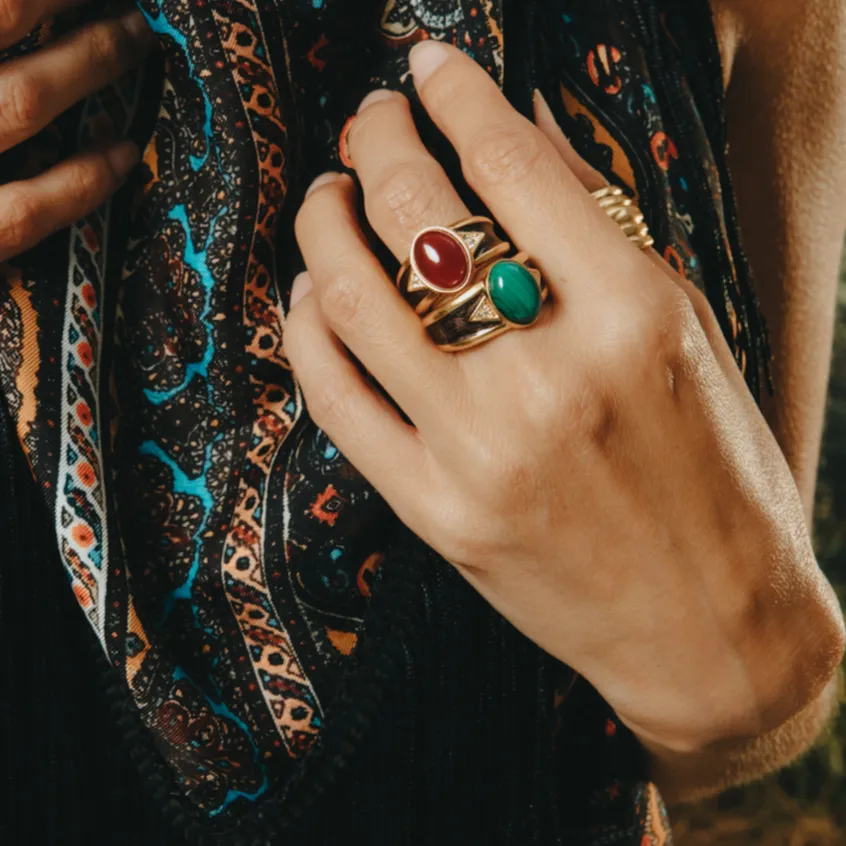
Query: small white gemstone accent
[
  {"x": 473, "y": 240},
  {"x": 416, "y": 283},
  {"x": 484, "y": 312}
]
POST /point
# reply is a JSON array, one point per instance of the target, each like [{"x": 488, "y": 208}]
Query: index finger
[{"x": 18, "y": 17}]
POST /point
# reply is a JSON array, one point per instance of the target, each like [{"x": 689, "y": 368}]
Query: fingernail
[
  {"x": 302, "y": 285},
  {"x": 123, "y": 157},
  {"x": 137, "y": 27},
  {"x": 323, "y": 179},
  {"x": 425, "y": 58},
  {"x": 375, "y": 97}
]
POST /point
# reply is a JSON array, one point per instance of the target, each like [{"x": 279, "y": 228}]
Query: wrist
[
  {"x": 692, "y": 776},
  {"x": 791, "y": 640},
  {"x": 735, "y": 665}
]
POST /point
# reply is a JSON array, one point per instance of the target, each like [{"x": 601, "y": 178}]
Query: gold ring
[{"x": 622, "y": 210}]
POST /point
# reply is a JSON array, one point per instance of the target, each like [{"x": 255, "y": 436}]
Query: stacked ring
[{"x": 466, "y": 288}]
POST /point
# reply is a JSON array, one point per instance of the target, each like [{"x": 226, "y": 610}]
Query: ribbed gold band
[{"x": 622, "y": 210}]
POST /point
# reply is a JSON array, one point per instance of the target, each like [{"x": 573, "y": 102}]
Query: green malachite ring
[
  {"x": 515, "y": 292},
  {"x": 505, "y": 294}
]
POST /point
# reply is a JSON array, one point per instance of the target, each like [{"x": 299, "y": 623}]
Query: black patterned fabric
[{"x": 283, "y": 660}]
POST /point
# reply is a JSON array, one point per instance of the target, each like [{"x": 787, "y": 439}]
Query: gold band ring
[{"x": 622, "y": 210}]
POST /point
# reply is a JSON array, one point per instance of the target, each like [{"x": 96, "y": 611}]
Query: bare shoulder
[{"x": 777, "y": 26}]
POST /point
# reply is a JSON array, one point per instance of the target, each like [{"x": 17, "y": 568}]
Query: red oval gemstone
[{"x": 441, "y": 259}]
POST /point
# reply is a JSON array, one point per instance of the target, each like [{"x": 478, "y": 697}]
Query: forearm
[
  {"x": 688, "y": 776},
  {"x": 787, "y": 645},
  {"x": 787, "y": 123}
]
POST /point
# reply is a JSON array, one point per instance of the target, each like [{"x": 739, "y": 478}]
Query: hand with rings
[{"x": 601, "y": 476}]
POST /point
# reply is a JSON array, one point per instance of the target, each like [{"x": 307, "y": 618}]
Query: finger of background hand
[
  {"x": 18, "y": 17},
  {"x": 405, "y": 189},
  {"x": 364, "y": 427},
  {"x": 363, "y": 307},
  {"x": 517, "y": 171},
  {"x": 34, "y": 89},
  {"x": 31, "y": 211}
]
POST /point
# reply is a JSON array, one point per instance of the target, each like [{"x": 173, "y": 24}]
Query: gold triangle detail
[
  {"x": 473, "y": 240},
  {"x": 416, "y": 283},
  {"x": 484, "y": 312}
]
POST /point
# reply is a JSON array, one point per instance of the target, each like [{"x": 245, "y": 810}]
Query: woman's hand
[
  {"x": 603, "y": 478},
  {"x": 37, "y": 88}
]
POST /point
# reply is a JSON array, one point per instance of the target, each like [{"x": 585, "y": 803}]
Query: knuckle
[
  {"x": 541, "y": 398},
  {"x": 21, "y": 101},
  {"x": 108, "y": 45},
  {"x": 459, "y": 544},
  {"x": 16, "y": 222},
  {"x": 675, "y": 329},
  {"x": 619, "y": 339},
  {"x": 703, "y": 311},
  {"x": 407, "y": 192},
  {"x": 12, "y": 18},
  {"x": 329, "y": 403},
  {"x": 504, "y": 155},
  {"x": 666, "y": 342},
  {"x": 342, "y": 298}
]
